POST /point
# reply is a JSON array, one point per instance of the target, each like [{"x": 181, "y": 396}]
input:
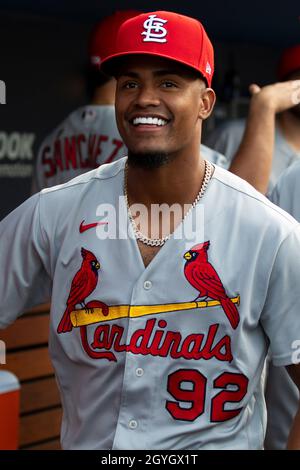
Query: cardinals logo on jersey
[
  {"x": 83, "y": 284},
  {"x": 109, "y": 336},
  {"x": 203, "y": 277}
]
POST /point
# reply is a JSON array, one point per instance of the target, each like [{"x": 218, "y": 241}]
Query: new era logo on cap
[
  {"x": 208, "y": 68},
  {"x": 154, "y": 29},
  {"x": 165, "y": 34}
]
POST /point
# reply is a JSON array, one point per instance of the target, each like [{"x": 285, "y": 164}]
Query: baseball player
[
  {"x": 89, "y": 136},
  {"x": 158, "y": 336},
  {"x": 227, "y": 138},
  {"x": 281, "y": 394}
]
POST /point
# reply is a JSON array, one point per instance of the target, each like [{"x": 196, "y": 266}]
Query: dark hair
[{"x": 95, "y": 79}]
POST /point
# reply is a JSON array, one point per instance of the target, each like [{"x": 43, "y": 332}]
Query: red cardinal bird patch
[
  {"x": 203, "y": 277},
  {"x": 83, "y": 284}
]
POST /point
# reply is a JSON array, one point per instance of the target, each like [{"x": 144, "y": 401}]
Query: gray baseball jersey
[
  {"x": 87, "y": 138},
  {"x": 286, "y": 193},
  {"x": 226, "y": 140},
  {"x": 282, "y": 395},
  {"x": 164, "y": 357}
]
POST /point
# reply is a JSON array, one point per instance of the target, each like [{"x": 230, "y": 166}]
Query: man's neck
[
  {"x": 290, "y": 127},
  {"x": 178, "y": 181}
]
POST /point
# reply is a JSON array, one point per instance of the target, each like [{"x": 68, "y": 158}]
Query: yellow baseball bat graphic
[{"x": 89, "y": 316}]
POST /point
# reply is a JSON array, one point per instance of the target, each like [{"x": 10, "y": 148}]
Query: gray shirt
[{"x": 227, "y": 138}]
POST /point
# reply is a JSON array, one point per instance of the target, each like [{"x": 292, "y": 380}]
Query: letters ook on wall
[{"x": 16, "y": 162}]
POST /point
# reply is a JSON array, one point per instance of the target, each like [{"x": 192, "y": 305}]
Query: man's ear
[{"x": 207, "y": 103}]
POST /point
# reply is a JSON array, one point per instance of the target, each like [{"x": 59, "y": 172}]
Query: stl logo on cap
[
  {"x": 165, "y": 34},
  {"x": 155, "y": 32}
]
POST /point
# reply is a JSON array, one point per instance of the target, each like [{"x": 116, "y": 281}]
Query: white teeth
[{"x": 149, "y": 120}]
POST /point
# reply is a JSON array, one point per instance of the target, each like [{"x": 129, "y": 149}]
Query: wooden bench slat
[
  {"x": 27, "y": 331},
  {"x": 29, "y": 364},
  {"x": 49, "y": 445},
  {"x": 39, "y": 394},
  {"x": 40, "y": 426}
]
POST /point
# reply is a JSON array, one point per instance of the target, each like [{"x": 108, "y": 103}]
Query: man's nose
[{"x": 147, "y": 96}]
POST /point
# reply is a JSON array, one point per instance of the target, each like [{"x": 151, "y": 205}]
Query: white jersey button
[
  {"x": 133, "y": 424},
  {"x": 139, "y": 372},
  {"x": 147, "y": 285}
]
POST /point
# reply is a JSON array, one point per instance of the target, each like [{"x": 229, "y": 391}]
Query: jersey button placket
[
  {"x": 147, "y": 285},
  {"x": 139, "y": 372},
  {"x": 131, "y": 417},
  {"x": 132, "y": 376},
  {"x": 133, "y": 424}
]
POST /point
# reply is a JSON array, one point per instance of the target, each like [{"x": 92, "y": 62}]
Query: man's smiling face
[{"x": 157, "y": 105}]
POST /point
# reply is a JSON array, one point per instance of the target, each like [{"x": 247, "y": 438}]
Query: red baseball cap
[
  {"x": 104, "y": 34},
  {"x": 289, "y": 62},
  {"x": 165, "y": 34}
]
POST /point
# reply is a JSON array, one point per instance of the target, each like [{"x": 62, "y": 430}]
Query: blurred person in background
[
  {"x": 89, "y": 136},
  {"x": 281, "y": 394},
  {"x": 227, "y": 138}
]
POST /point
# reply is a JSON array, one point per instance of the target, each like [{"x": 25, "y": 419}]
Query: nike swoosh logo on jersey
[{"x": 83, "y": 228}]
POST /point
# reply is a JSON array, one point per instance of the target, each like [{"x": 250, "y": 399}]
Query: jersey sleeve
[
  {"x": 281, "y": 313},
  {"x": 25, "y": 281}
]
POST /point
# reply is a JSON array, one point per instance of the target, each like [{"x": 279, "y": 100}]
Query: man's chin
[{"x": 148, "y": 160}]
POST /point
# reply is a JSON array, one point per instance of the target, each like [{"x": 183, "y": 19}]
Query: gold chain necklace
[{"x": 161, "y": 241}]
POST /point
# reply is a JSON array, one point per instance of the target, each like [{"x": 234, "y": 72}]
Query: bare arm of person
[{"x": 253, "y": 159}]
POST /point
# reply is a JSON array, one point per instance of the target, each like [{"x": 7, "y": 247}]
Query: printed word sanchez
[{"x": 79, "y": 151}]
